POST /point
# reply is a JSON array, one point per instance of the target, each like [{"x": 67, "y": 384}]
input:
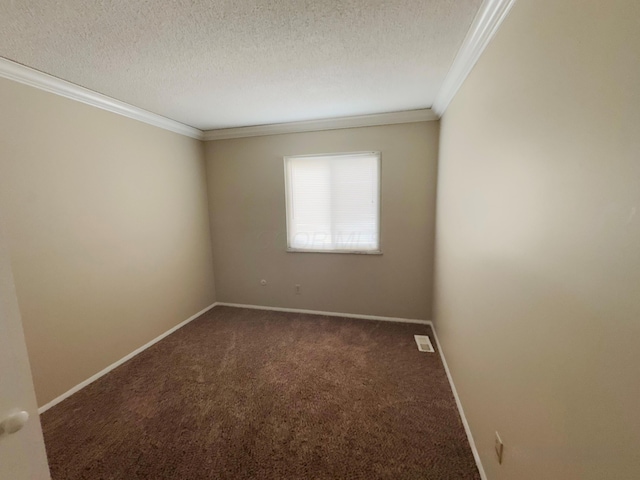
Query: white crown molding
[
  {"x": 485, "y": 25},
  {"x": 34, "y": 78},
  {"x": 487, "y": 21},
  {"x": 408, "y": 116}
]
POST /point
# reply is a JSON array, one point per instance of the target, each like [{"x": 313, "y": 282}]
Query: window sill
[{"x": 352, "y": 252}]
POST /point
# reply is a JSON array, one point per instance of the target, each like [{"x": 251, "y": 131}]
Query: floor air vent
[{"x": 424, "y": 343}]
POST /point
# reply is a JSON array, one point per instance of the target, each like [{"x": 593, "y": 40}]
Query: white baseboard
[
  {"x": 467, "y": 429},
  {"x": 465, "y": 423},
  {"x": 328, "y": 314},
  {"x": 93, "y": 378}
]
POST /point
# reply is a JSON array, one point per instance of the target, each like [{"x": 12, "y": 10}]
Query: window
[{"x": 333, "y": 202}]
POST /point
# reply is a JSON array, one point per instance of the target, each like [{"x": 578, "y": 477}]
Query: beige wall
[
  {"x": 247, "y": 205},
  {"x": 108, "y": 230},
  {"x": 538, "y": 242}
]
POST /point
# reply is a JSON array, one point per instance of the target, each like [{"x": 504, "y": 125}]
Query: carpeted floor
[{"x": 249, "y": 394}]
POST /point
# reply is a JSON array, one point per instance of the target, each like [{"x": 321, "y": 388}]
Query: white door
[{"x": 22, "y": 454}]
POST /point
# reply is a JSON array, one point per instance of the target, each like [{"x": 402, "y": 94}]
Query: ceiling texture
[{"x": 230, "y": 63}]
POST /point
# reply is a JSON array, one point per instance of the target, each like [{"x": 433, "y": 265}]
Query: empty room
[{"x": 296, "y": 239}]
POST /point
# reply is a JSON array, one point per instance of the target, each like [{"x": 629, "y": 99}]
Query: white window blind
[{"x": 333, "y": 202}]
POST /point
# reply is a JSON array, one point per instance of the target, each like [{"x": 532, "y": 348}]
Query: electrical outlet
[
  {"x": 298, "y": 292},
  {"x": 499, "y": 448}
]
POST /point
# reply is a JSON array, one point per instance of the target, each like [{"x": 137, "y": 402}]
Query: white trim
[
  {"x": 40, "y": 80},
  {"x": 103, "y": 372},
  {"x": 487, "y": 21},
  {"x": 328, "y": 314},
  {"x": 467, "y": 429},
  {"x": 489, "y": 18},
  {"x": 408, "y": 116},
  {"x": 343, "y": 252},
  {"x": 43, "y": 81},
  {"x": 465, "y": 423}
]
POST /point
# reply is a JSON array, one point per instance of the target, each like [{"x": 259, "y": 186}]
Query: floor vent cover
[{"x": 424, "y": 343}]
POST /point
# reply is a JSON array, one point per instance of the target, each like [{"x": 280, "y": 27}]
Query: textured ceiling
[{"x": 227, "y": 63}]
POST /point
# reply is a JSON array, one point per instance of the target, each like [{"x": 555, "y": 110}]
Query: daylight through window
[{"x": 333, "y": 202}]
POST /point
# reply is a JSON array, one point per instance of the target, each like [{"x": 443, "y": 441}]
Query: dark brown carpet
[{"x": 248, "y": 394}]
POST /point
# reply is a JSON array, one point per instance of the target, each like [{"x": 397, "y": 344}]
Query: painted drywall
[
  {"x": 248, "y": 216},
  {"x": 108, "y": 231},
  {"x": 537, "y": 298}
]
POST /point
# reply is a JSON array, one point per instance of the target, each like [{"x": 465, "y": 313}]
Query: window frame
[{"x": 288, "y": 200}]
